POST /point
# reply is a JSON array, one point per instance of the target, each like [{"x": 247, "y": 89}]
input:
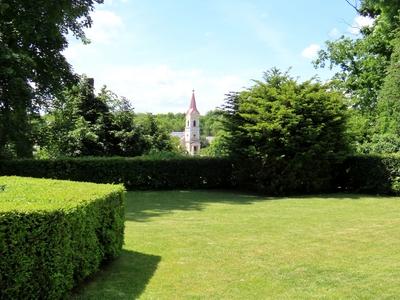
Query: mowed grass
[{"x": 217, "y": 245}]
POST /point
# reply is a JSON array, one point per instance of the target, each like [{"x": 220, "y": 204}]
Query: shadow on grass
[
  {"x": 124, "y": 278},
  {"x": 141, "y": 206}
]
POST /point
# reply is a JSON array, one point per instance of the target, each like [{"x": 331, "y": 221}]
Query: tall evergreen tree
[{"x": 286, "y": 134}]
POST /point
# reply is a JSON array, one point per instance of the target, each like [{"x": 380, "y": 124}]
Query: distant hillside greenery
[{"x": 210, "y": 123}]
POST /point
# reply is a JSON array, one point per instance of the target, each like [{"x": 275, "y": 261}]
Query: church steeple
[
  {"x": 192, "y": 129},
  {"x": 192, "y": 107}
]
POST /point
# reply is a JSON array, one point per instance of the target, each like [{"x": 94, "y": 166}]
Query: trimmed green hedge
[
  {"x": 283, "y": 177},
  {"x": 370, "y": 174},
  {"x": 134, "y": 173},
  {"x": 53, "y": 234},
  {"x": 365, "y": 174}
]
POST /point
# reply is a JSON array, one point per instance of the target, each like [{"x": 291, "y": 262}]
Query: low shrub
[
  {"x": 134, "y": 173},
  {"x": 53, "y": 234}
]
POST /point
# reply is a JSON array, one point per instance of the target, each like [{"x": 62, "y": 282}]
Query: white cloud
[
  {"x": 71, "y": 52},
  {"x": 161, "y": 88},
  {"x": 111, "y": 2},
  {"x": 259, "y": 26},
  {"x": 77, "y": 51},
  {"x": 360, "y": 22},
  {"x": 311, "y": 51},
  {"x": 334, "y": 33},
  {"x": 107, "y": 25}
]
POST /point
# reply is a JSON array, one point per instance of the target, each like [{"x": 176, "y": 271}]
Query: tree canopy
[
  {"x": 363, "y": 60},
  {"x": 84, "y": 124},
  {"x": 367, "y": 74},
  {"x": 32, "y": 66}
]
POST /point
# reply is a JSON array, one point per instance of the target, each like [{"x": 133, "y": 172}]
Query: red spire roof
[{"x": 192, "y": 107}]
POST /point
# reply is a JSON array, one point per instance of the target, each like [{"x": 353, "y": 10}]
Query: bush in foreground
[{"x": 55, "y": 233}]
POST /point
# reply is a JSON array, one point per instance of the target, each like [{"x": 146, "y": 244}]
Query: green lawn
[{"x": 201, "y": 245}]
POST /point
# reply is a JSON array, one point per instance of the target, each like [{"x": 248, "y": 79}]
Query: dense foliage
[
  {"x": 367, "y": 74},
  {"x": 363, "y": 60},
  {"x": 211, "y": 123},
  {"x": 388, "y": 104},
  {"x": 32, "y": 66},
  {"x": 82, "y": 123},
  {"x": 56, "y": 235},
  {"x": 286, "y": 134},
  {"x": 169, "y": 121},
  {"x": 374, "y": 174},
  {"x": 135, "y": 173}
]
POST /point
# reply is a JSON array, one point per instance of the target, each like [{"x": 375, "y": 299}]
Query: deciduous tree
[{"x": 32, "y": 66}]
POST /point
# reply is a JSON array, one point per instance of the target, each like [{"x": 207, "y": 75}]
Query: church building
[
  {"x": 190, "y": 138},
  {"x": 192, "y": 128}
]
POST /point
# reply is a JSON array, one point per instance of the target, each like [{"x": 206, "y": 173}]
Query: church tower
[{"x": 192, "y": 128}]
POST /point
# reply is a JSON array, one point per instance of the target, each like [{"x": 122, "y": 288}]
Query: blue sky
[{"x": 155, "y": 52}]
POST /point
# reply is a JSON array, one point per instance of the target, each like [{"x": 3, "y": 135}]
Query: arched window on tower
[{"x": 194, "y": 123}]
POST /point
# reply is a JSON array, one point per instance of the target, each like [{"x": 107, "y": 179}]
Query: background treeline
[{"x": 211, "y": 122}]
